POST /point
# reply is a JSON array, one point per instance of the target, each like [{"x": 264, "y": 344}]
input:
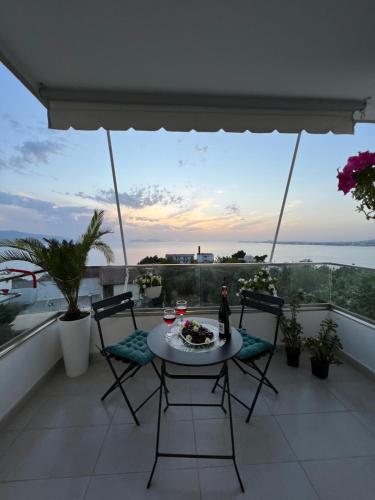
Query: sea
[{"x": 351, "y": 255}]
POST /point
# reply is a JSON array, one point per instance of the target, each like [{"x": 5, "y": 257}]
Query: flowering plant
[
  {"x": 262, "y": 281},
  {"x": 358, "y": 176},
  {"x": 147, "y": 280}
]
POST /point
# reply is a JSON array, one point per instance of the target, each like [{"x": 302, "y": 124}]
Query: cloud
[
  {"x": 182, "y": 163},
  {"x": 49, "y": 210},
  {"x": 201, "y": 149},
  {"x": 138, "y": 197},
  {"x": 219, "y": 191},
  {"x": 15, "y": 124},
  {"x": 32, "y": 153},
  {"x": 232, "y": 209}
]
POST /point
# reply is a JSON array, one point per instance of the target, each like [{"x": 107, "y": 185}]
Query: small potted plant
[
  {"x": 292, "y": 331},
  {"x": 261, "y": 282},
  {"x": 323, "y": 348},
  {"x": 149, "y": 285}
]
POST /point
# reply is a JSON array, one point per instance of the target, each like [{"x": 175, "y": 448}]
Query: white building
[
  {"x": 205, "y": 258},
  {"x": 181, "y": 258}
]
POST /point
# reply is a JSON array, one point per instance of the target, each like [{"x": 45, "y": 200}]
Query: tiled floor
[{"x": 315, "y": 440}]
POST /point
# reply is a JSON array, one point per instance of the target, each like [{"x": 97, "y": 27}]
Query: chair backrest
[
  {"x": 109, "y": 307},
  {"x": 262, "y": 302}
]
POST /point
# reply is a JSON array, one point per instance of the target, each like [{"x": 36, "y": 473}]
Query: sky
[{"x": 173, "y": 186}]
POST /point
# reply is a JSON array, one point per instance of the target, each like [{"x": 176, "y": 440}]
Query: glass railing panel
[
  {"x": 24, "y": 308},
  {"x": 177, "y": 281},
  {"x": 353, "y": 288}
]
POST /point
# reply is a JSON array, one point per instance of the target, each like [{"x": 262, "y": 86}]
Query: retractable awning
[{"x": 199, "y": 65}]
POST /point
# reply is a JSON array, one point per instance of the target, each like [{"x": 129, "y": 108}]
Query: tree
[
  {"x": 155, "y": 260},
  {"x": 65, "y": 261}
]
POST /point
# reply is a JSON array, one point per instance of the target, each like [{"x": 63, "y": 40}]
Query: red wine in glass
[
  {"x": 169, "y": 319},
  {"x": 169, "y": 316},
  {"x": 181, "y": 306}
]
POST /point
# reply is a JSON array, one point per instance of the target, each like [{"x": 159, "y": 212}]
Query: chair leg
[
  {"x": 119, "y": 383},
  {"x": 266, "y": 380},
  {"x": 122, "y": 380},
  {"x": 259, "y": 388},
  {"x": 252, "y": 365}
]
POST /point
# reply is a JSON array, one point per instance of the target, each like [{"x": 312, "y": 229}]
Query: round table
[
  {"x": 158, "y": 345},
  {"x": 196, "y": 357}
]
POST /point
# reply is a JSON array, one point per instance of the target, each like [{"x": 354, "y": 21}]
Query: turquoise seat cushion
[
  {"x": 134, "y": 348},
  {"x": 253, "y": 346}
]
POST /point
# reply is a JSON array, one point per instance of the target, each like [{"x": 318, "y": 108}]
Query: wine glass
[
  {"x": 169, "y": 317},
  {"x": 181, "y": 306}
]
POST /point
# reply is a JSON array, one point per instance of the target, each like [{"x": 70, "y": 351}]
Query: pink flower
[{"x": 354, "y": 164}]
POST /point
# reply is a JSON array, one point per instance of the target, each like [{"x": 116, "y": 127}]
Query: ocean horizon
[{"x": 351, "y": 255}]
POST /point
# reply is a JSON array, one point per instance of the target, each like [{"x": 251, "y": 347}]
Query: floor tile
[
  {"x": 355, "y": 395},
  {"x": 166, "y": 485},
  {"x": 129, "y": 448},
  {"x": 343, "y": 479},
  {"x": 303, "y": 397},
  {"x": 72, "y": 488},
  {"x": 19, "y": 419},
  {"x": 94, "y": 381},
  {"x": 38, "y": 454},
  {"x": 260, "y": 441},
  {"x": 138, "y": 392},
  {"x": 72, "y": 410},
  {"x": 327, "y": 435},
  {"x": 6, "y": 439},
  {"x": 285, "y": 481},
  {"x": 367, "y": 419}
]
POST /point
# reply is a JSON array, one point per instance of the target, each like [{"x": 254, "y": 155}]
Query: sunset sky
[{"x": 174, "y": 186}]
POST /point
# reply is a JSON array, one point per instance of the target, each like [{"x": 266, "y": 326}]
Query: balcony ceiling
[{"x": 242, "y": 65}]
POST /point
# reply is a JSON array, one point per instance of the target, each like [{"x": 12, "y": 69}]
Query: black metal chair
[
  {"x": 255, "y": 348},
  {"x": 133, "y": 350}
]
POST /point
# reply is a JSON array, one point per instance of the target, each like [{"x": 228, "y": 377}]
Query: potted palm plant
[
  {"x": 323, "y": 348},
  {"x": 292, "y": 331},
  {"x": 65, "y": 262}
]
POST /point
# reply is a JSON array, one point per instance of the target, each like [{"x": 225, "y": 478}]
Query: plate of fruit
[{"x": 196, "y": 334}]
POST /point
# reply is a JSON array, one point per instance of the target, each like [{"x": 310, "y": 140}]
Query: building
[
  {"x": 181, "y": 258},
  {"x": 205, "y": 258}
]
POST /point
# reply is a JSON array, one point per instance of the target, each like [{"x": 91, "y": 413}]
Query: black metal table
[{"x": 159, "y": 346}]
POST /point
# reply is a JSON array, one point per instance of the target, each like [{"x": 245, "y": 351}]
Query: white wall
[
  {"x": 358, "y": 338},
  {"x": 24, "y": 366}
]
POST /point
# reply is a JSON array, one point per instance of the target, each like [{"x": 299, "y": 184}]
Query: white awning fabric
[
  {"x": 282, "y": 115},
  {"x": 197, "y": 65}
]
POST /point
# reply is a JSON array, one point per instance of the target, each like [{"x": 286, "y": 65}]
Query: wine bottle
[{"x": 224, "y": 313}]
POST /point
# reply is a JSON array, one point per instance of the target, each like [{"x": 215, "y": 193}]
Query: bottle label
[{"x": 221, "y": 329}]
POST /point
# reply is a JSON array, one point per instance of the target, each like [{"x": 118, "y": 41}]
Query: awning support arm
[
  {"x": 118, "y": 208},
  {"x": 285, "y": 195}
]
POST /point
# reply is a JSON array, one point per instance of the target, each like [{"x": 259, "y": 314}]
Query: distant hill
[
  {"x": 12, "y": 235},
  {"x": 365, "y": 243},
  {"x": 149, "y": 240}
]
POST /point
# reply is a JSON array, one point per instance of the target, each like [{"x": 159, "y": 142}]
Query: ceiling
[{"x": 238, "y": 65}]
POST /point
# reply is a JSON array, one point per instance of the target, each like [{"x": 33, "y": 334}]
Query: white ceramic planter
[
  {"x": 152, "y": 292},
  {"x": 75, "y": 343}
]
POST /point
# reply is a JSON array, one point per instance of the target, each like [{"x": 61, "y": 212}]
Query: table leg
[
  {"x": 162, "y": 386},
  {"x": 227, "y": 388}
]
